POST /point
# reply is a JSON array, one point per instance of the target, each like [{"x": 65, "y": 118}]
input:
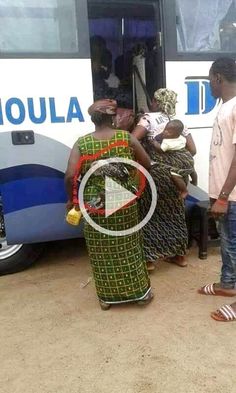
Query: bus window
[
  {"x": 38, "y": 26},
  {"x": 206, "y": 26}
]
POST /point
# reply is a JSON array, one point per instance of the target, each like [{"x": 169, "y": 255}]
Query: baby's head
[{"x": 173, "y": 129}]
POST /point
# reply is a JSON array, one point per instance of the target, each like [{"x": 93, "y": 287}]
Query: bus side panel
[
  {"x": 32, "y": 175},
  {"x": 196, "y": 107},
  {"x": 33, "y": 193}
]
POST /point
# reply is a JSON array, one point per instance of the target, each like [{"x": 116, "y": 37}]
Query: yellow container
[{"x": 74, "y": 216}]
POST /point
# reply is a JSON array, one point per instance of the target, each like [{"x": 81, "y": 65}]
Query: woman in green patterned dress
[{"x": 118, "y": 262}]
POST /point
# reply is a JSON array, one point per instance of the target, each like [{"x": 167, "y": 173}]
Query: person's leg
[
  {"x": 227, "y": 231},
  {"x": 180, "y": 184},
  {"x": 228, "y": 248}
]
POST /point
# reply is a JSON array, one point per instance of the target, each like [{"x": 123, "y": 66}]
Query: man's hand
[{"x": 219, "y": 208}]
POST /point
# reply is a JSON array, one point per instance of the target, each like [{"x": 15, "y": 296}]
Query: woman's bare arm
[
  {"x": 139, "y": 132},
  {"x": 190, "y": 145}
]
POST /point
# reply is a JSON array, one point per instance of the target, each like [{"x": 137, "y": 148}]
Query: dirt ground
[{"x": 55, "y": 338}]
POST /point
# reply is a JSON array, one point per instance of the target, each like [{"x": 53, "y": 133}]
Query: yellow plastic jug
[{"x": 74, "y": 216}]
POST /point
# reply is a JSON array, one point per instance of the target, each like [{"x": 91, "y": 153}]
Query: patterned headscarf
[
  {"x": 166, "y": 99},
  {"x": 106, "y": 106}
]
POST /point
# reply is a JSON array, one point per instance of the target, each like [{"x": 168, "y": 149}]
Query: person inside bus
[
  {"x": 123, "y": 66},
  {"x": 97, "y": 47},
  {"x": 105, "y": 83},
  {"x": 106, "y": 64},
  {"x": 173, "y": 141},
  {"x": 118, "y": 262},
  {"x": 151, "y": 64},
  {"x": 101, "y": 60},
  {"x": 165, "y": 235}
]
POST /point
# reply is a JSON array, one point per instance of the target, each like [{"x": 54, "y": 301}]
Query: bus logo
[
  {"x": 38, "y": 111},
  {"x": 199, "y": 98}
]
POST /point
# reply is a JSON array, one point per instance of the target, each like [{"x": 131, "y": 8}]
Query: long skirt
[
  {"x": 165, "y": 235},
  {"x": 118, "y": 262}
]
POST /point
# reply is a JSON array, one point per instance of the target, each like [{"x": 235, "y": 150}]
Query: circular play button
[{"x": 117, "y": 197}]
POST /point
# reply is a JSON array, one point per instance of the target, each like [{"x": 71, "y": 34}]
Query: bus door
[{"x": 124, "y": 34}]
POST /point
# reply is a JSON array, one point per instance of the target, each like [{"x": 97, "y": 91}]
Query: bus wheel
[{"x": 17, "y": 257}]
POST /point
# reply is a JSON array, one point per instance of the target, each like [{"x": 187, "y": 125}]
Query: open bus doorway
[{"x": 124, "y": 34}]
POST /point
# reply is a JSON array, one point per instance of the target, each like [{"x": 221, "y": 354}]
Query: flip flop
[
  {"x": 209, "y": 290},
  {"x": 224, "y": 314}
]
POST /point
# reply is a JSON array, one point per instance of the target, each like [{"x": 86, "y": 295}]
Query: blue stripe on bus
[
  {"x": 40, "y": 224},
  {"x": 25, "y": 193},
  {"x": 23, "y": 171}
]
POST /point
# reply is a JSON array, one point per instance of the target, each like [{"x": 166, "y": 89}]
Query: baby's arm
[{"x": 158, "y": 146}]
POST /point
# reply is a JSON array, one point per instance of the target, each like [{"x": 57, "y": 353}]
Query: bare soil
[{"x": 55, "y": 338}]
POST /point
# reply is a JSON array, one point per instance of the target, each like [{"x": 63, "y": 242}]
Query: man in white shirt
[{"x": 222, "y": 181}]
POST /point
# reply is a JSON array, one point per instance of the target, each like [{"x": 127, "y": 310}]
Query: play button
[{"x": 116, "y": 196}]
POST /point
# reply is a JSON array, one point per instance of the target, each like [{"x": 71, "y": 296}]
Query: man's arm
[
  {"x": 230, "y": 181},
  {"x": 221, "y": 204}
]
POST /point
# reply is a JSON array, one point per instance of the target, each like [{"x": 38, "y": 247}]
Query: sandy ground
[{"x": 55, "y": 339}]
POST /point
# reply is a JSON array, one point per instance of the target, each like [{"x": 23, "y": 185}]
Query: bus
[{"x": 49, "y": 55}]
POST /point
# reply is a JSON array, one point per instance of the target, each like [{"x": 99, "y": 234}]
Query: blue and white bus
[{"x": 47, "y": 84}]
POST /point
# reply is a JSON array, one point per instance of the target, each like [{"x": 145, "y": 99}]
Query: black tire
[{"x": 22, "y": 259}]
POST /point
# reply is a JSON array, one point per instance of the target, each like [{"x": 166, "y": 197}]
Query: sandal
[
  {"x": 104, "y": 306},
  {"x": 210, "y": 290},
  {"x": 224, "y": 314},
  {"x": 145, "y": 300},
  {"x": 177, "y": 260}
]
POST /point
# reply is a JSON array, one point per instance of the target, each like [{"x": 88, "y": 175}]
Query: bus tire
[{"x": 23, "y": 258}]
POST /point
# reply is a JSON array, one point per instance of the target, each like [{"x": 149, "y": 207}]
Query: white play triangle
[{"x": 116, "y": 196}]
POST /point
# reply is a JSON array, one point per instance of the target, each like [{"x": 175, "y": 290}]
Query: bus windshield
[{"x": 38, "y": 26}]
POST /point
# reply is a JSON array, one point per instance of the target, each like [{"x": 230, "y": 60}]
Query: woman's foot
[
  {"x": 104, "y": 306},
  {"x": 226, "y": 313},
  {"x": 146, "y": 300},
  {"x": 178, "y": 260},
  {"x": 151, "y": 266},
  {"x": 216, "y": 290}
]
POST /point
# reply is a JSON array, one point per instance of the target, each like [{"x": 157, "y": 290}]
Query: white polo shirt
[
  {"x": 155, "y": 122},
  {"x": 222, "y": 148}
]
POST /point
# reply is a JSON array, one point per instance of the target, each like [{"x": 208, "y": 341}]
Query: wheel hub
[{"x": 6, "y": 250}]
